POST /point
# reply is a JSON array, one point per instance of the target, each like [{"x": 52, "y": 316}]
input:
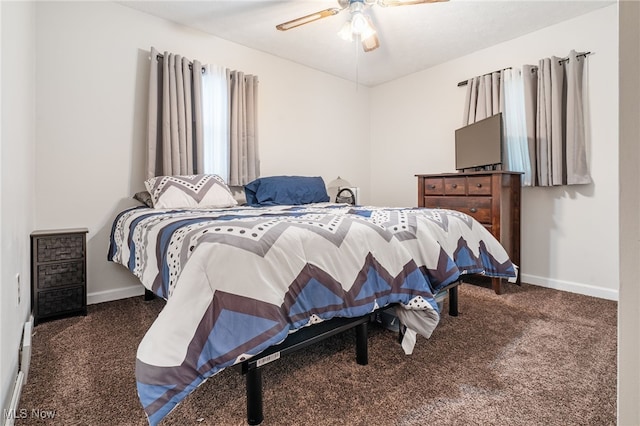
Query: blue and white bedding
[{"x": 239, "y": 280}]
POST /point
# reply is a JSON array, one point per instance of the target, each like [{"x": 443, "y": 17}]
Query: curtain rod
[
  {"x": 160, "y": 57},
  {"x": 464, "y": 83}
]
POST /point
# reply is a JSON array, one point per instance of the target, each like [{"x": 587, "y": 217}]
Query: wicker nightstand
[{"x": 58, "y": 273}]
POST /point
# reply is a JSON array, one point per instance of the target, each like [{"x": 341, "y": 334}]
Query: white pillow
[{"x": 193, "y": 191}]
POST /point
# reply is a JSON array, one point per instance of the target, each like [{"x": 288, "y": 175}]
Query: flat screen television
[{"x": 479, "y": 144}]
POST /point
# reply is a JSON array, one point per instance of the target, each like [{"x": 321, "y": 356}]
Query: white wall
[
  {"x": 17, "y": 142},
  {"x": 91, "y": 81},
  {"x": 91, "y": 85},
  {"x": 569, "y": 238}
]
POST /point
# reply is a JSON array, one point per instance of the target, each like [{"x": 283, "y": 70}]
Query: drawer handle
[
  {"x": 479, "y": 185},
  {"x": 454, "y": 186},
  {"x": 432, "y": 186},
  {"x": 473, "y": 210}
]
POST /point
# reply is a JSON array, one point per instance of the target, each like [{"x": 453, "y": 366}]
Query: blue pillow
[{"x": 286, "y": 190}]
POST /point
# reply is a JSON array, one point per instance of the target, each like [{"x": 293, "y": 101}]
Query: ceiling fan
[{"x": 359, "y": 26}]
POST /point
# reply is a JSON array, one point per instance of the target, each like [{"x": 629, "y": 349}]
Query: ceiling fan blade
[
  {"x": 308, "y": 18},
  {"x": 406, "y": 2}
]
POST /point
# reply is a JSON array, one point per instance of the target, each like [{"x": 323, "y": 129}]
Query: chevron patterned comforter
[{"x": 239, "y": 280}]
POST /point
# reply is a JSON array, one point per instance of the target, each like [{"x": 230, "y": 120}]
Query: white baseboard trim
[
  {"x": 115, "y": 294},
  {"x": 572, "y": 287},
  {"x": 12, "y": 413}
]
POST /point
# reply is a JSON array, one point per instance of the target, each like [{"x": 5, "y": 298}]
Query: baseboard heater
[
  {"x": 25, "y": 359},
  {"x": 13, "y": 411}
]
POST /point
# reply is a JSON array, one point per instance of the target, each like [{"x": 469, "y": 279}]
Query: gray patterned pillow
[{"x": 192, "y": 191}]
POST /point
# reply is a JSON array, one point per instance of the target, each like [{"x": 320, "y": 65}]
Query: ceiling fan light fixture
[
  {"x": 370, "y": 30},
  {"x": 345, "y": 32},
  {"x": 358, "y": 23},
  {"x": 359, "y": 26}
]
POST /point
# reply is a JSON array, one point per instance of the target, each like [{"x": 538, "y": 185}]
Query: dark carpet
[{"x": 531, "y": 356}]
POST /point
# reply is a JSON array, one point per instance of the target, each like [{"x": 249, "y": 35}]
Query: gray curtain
[
  {"x": 530, "y": 78},
  {"x": 484, "y": 97},
  {"x": 556, "y": 120},
  {"x": 243, "y": 114},
  {"x": 174, "y": 132},
  {"x": 577, "y": 121},
  {"x": 550, "y": 144}
]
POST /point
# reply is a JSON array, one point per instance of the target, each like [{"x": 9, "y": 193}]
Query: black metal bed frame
[{"x": 309, "y": 336}]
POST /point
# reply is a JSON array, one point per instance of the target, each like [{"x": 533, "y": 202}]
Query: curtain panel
[
  {"x": 557, "y": 119},
  {"x": 484, "y": 97},
  {"x": 501, "y": 92},
  {"x": 174, "y": 131},
  {"x": 244, "y": 164},
  {"x": 201, "y": 124},
  {"x": 578, "y": 120},
  {"x": 545, "y": 118}
]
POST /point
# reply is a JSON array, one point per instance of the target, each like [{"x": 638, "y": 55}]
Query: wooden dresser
[
  {"x": 491, "y": 197},
  {"x": 58, "y": 273}
]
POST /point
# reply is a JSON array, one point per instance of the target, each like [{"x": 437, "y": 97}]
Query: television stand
[{"x": 490, "y": 197}]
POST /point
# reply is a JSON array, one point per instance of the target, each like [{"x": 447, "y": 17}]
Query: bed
[{"x": 240, "y": 279}]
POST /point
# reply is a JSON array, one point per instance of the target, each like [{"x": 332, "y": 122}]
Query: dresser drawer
[
  {"x": 55, "y": 248},
  {"x": 479, "y": 185},
  {"x": 477, "y": 207},
  {"x": 433, "y": 186},
  {"x": 60, "y": 301},
  {"x": 455, "y": 186},
  {"x": 60, "y": 274}
]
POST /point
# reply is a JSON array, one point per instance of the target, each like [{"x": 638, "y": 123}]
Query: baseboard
[
  {"x": 115, "y": 294},
  {"x": 12, "y": 413},
  {"x": 571, "y": 287}
]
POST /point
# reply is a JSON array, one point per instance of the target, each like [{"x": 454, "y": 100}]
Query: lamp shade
[
  {"x": 334, "y": 186},
  {"x": 339, "y": 183}
]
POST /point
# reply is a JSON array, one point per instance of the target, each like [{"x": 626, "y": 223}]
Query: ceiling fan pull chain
[{"x": 357, "y": 48}]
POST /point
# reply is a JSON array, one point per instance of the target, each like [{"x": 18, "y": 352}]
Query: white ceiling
[{"x": 412, "y": 38}]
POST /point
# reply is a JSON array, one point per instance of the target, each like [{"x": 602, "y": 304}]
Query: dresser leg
[{"x": 496, "y": 283}]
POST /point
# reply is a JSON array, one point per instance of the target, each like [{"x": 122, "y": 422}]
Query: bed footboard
[{"x": 298, "y": 340}]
